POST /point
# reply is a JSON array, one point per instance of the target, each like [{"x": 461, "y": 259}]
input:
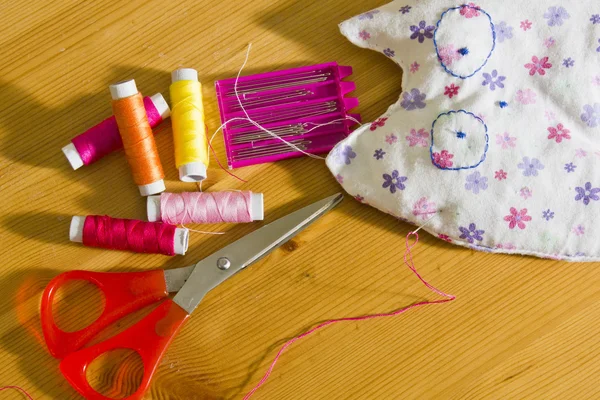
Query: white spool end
[
  {"x": 121, "y": 90},
  {"x": 152, "y": 188},
  {"x": 192, "y": 172},
  {"x": 76, "y": 229},
  {"x": 161, "y": 105},
  {"x": 73, "y": 156},
  {"x": 153, "y": 208},
  {"x": 184, "y": 74},
  {"x": 182, "y": 238},
  {"x": 257, "y": 211}
]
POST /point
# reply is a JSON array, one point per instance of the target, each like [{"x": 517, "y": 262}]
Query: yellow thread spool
[{"x": 189, "y": 131}]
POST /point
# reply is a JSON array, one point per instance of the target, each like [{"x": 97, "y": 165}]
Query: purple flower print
[
  {"x": 379, "y": 154},
  {"x": 471, "y": 234},
  {"x": 364, "y": 35},
  {"x": 368, "y": 15},
  {"x": 413, "y": 100},
  {"x": 530, "y": 167},
  {"x": 503, "y": 32},
  {"x": 548, "y": 215},
  {"x": 405, "y": 9},
  {"x": 598, "y": 49},
  {"x": 539, "y": 65},
  {"x": 549, "y": 42},
  {"x": 476, "y": 182},
  {"x": 568, "y": 62},
  {"x": 494, "y": 80},
  {"x": 506, "y": 140},
  {"x": 591, "y": 115},
  {"x": 389, "y": 52},
  {"x": 347, "y": 155},
  {"x": 570, "y": 167},
  {"x": 556, "y": 16},
  {"x": 595, "y": 19},
  {"x": 587, "y": 193},
  {"x": 422, "y": 31},
  {"x": 339, "y": 178},
  {"x": 418, "y": 138},
  {"x": 394, "y": 181}
]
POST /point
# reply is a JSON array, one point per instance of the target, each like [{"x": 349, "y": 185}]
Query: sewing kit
[{"x": 490, "y": 165}]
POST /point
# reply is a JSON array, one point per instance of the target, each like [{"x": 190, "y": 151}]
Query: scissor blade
[{"x": 219, "y": 266}]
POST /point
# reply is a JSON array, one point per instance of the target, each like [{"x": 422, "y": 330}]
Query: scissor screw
[{"x": 223, "y": 263}]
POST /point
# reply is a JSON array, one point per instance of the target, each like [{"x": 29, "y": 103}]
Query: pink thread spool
[
  {"x": 104, "y": 138},
  {"x": 206, "y": 207},
  {"x": 76, "y": 233}
]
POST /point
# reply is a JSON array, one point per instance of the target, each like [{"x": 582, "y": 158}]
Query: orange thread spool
[{"x": 138, "y": 140}]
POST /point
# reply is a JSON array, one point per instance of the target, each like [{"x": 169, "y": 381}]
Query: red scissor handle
[
  {"x": 123, "y": 293},
  {"x": 149, "y": 338}
]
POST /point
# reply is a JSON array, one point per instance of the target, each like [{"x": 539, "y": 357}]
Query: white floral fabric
[{"x": 497, "y": 132}]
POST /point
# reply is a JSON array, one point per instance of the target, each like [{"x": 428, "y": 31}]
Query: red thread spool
[
  {"x": 128, "y": 234},
  {"x": 104, "y": 138}
]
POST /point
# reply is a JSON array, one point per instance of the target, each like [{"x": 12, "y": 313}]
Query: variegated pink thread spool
[{"x": 206, "y": 207}]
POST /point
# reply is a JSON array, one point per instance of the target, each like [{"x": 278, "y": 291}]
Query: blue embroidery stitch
[
  {"x": 487, "y": 140},
  {"x": 437, "y": 26},
  {"x": 461, "y": 135},
  {"x": 503, "y": 104},
  {"x": 464, "y": 51}
]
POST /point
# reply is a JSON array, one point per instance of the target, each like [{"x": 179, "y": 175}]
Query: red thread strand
[
  {"x": 18, "y": 388},
  {"x": 129, "y": 234},
  {"x": 104, "y": 138},
  {"x": 221, "y": 165},
  {"x": 408, "y": 261}
]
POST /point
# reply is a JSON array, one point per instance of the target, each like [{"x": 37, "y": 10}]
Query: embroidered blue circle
[
  {"x": 461, "y": 136},
  {"x": 437, "y": 50}
]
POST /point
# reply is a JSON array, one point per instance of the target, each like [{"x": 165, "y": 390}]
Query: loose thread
[
  {"x": 408, "y": 261},
  {"x": 17, "y": 388}
]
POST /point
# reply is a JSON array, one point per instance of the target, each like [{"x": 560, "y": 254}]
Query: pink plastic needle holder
[{"x": 290, "y": 103}]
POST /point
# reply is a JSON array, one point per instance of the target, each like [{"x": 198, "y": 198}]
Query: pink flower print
[
  {"x": 364, "y": 35},
  {"x": 418, "y": 138},
  {"x": 517, "y": 218},
  {"x": 506, "y": 140},
  {"x": 506, "y": 246},
  {"x": 470, "y": 11},
  {"x": 443, "y": 159},
  {"x": 359, "y": 198},
  {"x": 550, "y": 115},
  {"x": 525, "y": 193},
  {"x": 596, "y": 80},
  {"x": 526, "y": 96},
  {"x": 500, "y": 175},
  {"x": 414, "y": 67},
  {"x": 445, "y": 237},
  {"x": 580, "y": 153},
  {"x": 538, "y": 65},
  {"x": 448, "y": 54},
  {"x": 424, "y": 208},
  {"x": 526, "y": 25},
  {"x": 579, "y": 230},
  {"x": 339, "y": 178},
  {"x": 378, "y": 123},
  {"x": 391, "y": 139},
  {"x": 451, "y": 90},
  {"x": 559, "y": 133},
  {"x": 549, "y": 42}
]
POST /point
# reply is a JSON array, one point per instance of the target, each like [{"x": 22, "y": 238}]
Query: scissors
[{"x": 130, "y": 291}]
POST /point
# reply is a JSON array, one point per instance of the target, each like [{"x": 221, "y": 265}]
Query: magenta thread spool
[{"x": 104, "y": 138}]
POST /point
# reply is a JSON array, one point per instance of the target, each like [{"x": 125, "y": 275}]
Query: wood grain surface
[{"x": 521, "y": 328}]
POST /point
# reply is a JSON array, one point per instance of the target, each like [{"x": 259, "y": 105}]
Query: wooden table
[{"x": 520, "y": 328}]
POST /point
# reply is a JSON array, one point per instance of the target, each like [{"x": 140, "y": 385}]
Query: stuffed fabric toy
[{"x": 497, "y": 131}]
